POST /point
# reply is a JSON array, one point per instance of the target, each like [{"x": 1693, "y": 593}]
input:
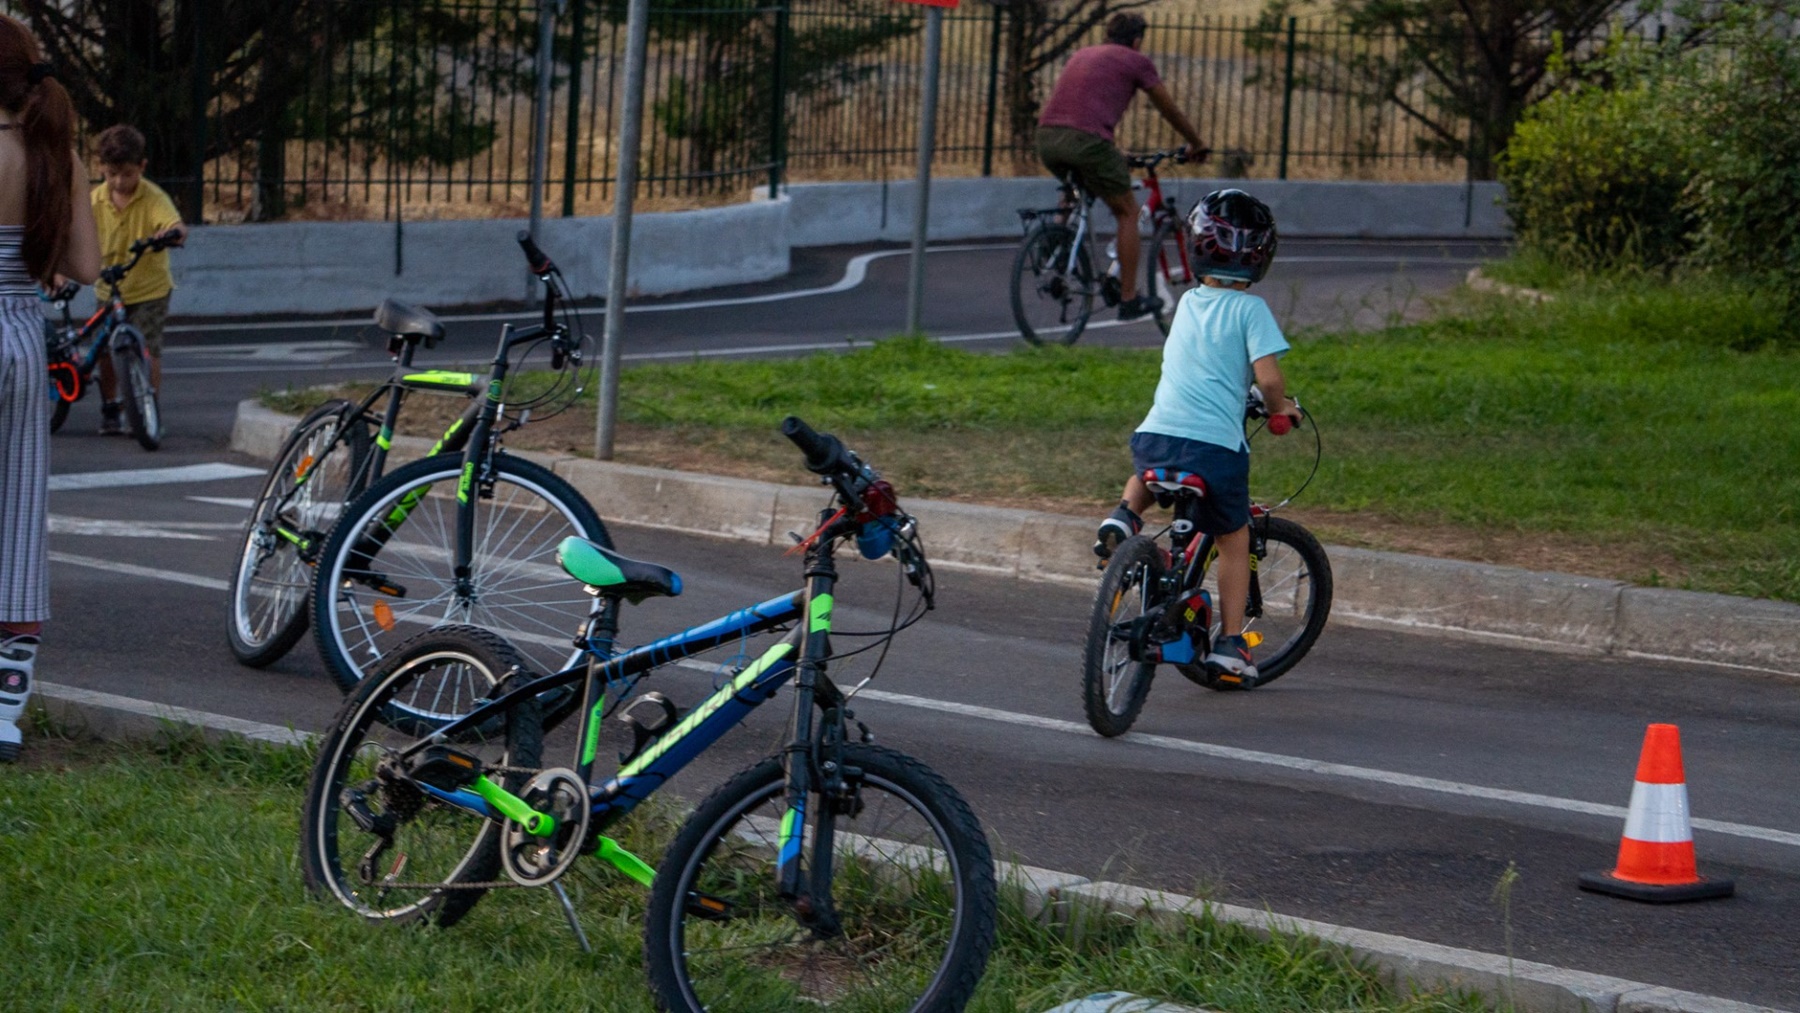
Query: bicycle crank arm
[
  {"x": 537, "y": 824},
  {"x": 640, "y": 870}
]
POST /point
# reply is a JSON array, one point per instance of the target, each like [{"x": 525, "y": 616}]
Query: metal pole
[
  {"x": 637, "y": 34},
  {"x": 778, "y": 104},
  {"x": 572, "y": 134},
  {"x": 993, "y": 96},
  {"x": 915, "y": 290},
  {"x": 1287, "y": 98},
  {"x": 540, "y": 129}
]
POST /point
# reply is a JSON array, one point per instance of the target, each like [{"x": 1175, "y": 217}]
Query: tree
[
  {"x": 1465, "y": 70},
  {"x": 1037, "y": 34}
]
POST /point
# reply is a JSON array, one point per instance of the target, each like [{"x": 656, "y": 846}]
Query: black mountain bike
[
  {"x": 465, "y": 534},
  {"x": 105, "y": 333},
  {"x": 1157, "y": 603},
  {"x": 836, "y": 873}
]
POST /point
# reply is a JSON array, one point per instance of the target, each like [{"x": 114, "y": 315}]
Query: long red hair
[{"x": 45, "y": 119}]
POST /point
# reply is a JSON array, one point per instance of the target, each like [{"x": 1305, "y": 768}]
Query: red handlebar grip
[{"x": 1279, "y": 424}]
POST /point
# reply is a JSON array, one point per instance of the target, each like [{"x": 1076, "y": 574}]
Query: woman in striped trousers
[{"x": 46, "y": 229}]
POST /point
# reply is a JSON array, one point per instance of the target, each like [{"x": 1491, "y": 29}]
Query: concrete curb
[
  {"x": 1070, "y": 901},
  {"x": 1386, "y": 590}
]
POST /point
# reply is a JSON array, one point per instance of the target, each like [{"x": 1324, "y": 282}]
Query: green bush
[{"x": 1595, "y": 175}]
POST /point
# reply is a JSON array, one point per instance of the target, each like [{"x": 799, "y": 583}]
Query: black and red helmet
[{"x": 1234, "y": 236}]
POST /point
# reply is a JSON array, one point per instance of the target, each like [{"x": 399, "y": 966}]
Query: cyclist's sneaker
[
  {"x": 1118, "y": 526},
  {"x": 110, "y": 425},
  {"x": 1232, "y": 663},
  {"x": 18, "y": 653},
  {"x": 1138, "y": 306},
  {"x": 1109, "y": 290}
]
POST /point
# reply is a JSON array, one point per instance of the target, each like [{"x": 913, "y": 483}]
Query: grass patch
[
  {"x": 1635, "y": 429},
  {"x": 170, "y": 870}
]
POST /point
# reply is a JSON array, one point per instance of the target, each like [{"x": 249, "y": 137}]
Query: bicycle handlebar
[
  {"x": 539, "y": 261},
  {"x": 825, "y": 453},
  {"x": 1279, "y": 422}
]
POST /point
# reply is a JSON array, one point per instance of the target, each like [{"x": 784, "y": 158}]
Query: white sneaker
[{"x": 18, "y": 653}]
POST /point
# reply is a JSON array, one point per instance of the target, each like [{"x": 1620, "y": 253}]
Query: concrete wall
[
  {"x": 338, "y": 267},
  {"x": 332, "y": 267},
  {"x": 822, "y": 214}
]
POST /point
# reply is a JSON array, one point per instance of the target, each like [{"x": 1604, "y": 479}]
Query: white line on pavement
[
  {"x": 239, "y": 502},
  {"x": 149, "y": 476},
  {"x": 131, "y": 570},
  {"x": 181, "y": 530}
]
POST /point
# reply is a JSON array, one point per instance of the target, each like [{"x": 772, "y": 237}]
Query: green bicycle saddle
[{"x": 613, "y": 573}]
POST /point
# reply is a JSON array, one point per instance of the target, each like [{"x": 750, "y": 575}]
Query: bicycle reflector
[{"x": 384, "y": 614}]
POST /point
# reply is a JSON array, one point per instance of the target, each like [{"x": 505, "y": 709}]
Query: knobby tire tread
[{"x": 1131, "y": 554}]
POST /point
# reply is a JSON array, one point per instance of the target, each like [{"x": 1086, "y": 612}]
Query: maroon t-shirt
[{"x": 1096, "y": 86}]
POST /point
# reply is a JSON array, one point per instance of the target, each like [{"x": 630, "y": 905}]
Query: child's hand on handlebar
[{"x": 174, "y": 235}]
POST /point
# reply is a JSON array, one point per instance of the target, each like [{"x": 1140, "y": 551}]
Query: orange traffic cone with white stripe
[{"x": 1656, "y": 853}]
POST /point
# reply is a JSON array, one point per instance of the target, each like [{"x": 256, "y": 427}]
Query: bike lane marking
[
  {"x": 1303, "y": 764},
  {"x": 216, "y": 471}
]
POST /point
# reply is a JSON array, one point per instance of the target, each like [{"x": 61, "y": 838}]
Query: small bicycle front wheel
[
  {"x": 370, "y": 837},
  {"x": 132, "y": 367},
  {"x": 389, "y": 567},
  {"x": 908, "y": 923},
  {"x": 1168, "y": 270},
  {"x": 1290, "y": 597},
  {"x": 1053, "y": 285},
  {"x": 322, "y": 465},
  {"x": 1113, "y": 685}
]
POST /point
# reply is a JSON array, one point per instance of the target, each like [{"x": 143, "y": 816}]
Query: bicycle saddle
[
  {"x": 1168, "y": 480},
  {"x": 613, "y": 573},
  {"x": 396, "y": 317}
]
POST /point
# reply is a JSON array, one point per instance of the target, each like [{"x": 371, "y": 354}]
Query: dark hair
[
  {"x": 1126, "y": 28},
  {"x": 120, "y": 144},
  {"x": 46, "y": 124}
]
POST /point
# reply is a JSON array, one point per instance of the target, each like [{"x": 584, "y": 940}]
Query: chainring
[{"x": 536, "y": 861}]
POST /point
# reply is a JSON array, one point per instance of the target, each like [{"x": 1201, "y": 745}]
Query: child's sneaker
[
  {"x": 18, "y": 653},
  {"x": 109, "y": 419},
  {"x": 1118, "y": 526},
  {"x": 1232, "y": 662}
]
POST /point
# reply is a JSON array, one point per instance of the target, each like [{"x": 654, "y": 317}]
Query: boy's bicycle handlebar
[
  {"x": 1279, "y": 422},
  {"x": 150, "y": 244}
]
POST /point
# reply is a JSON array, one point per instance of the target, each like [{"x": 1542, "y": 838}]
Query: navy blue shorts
[{"x": 1226, "y": 505}]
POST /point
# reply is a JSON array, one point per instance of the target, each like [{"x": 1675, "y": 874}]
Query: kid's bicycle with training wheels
[
  {"x": 1055, "y": 281},
  {"x": 466, "y": 534},
  {"x": 835, "y": 873},
  {"x": 72, "y": 368},
  {"x": 1157, "y": 602}
]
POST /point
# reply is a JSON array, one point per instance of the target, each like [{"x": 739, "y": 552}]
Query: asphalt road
[{"x": 1387, "y": 783}]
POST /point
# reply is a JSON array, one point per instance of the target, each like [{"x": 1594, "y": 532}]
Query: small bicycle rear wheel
[
  {"x": 322, "y": 466},
  {"x": 419, "y": 858},
  {"x": 1290, "y": 600},
  {"x": 131, "y": 364},
  {"x": 911, "y": 884},
  {"x": 1113, "y": 686},
  {"x": 1053, "y": 285}
]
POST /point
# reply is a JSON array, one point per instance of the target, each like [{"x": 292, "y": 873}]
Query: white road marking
[
  {"x": 168, "y": 712},
  {"x": 149, "y": 476},
  {"x": 272, "y": 352},
  {"x": 135, "y": 529},
  {"x": 1214, "y": 750},
  {"x": 243, "y": 503}
]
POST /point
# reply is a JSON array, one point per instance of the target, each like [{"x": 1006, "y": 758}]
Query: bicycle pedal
[
  {"x": 708, "y": 907},
  {"x": 445, "y": 769}
]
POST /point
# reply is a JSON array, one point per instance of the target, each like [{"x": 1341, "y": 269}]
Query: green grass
[
  {"x": 1644, "y": 426},
  {"x": 165, "y": 876}
]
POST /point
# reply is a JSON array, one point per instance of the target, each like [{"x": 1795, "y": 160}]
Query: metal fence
[{"x": 423, "y": 108}]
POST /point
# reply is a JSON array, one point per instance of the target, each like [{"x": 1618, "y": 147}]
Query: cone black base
[{"x": 1656, "y": 893}]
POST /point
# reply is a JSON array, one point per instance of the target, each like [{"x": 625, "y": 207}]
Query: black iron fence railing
[{"x": 423, "y": 108}]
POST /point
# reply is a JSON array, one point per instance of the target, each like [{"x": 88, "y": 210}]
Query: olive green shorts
[
  {"x": 1097, "y": 163},
  {"x": 149, "y": 317}
]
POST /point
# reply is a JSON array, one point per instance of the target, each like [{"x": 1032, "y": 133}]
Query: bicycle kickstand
[{"x": 562, "y": 896}]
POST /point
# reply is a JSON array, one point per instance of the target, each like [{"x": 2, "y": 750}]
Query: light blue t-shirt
[{"x": 1206, "y": 374}]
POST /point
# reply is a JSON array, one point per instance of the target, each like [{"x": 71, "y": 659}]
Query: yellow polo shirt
[{"x": 149, "y": 212}]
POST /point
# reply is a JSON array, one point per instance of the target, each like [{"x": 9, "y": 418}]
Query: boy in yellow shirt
[{"x": 128, "y": 207}]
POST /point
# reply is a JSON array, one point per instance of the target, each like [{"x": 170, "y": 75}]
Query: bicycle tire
[
  {"x": 442, "y": 846},
  {"x": 322, "y": 465},
  {"x": 1113, "y": 687},
  {"x": 1293, "y": 575},
  {"x": 938, "y": 890},
  {"x": 131, "y": 365},
  {"x": 1167, "y": 273},
  {"x": 1040, "y": 283},
  {"x": 59, "y": 409},
  {"x": 521, "y": 593}
]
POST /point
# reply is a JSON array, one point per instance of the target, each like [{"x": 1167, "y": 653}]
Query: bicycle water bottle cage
[
  {"x": 648, "y": 717},
  {"x": 409, "y": 322},
  {"x": 1168, "y": 484},
  {"x": 607, "y": 572}
]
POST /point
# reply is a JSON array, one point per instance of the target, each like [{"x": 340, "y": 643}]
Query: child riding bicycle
[{"x": 1221, "y": 338}]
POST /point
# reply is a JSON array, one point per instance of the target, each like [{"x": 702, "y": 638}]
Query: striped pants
[{"x": 24, "y": 462}]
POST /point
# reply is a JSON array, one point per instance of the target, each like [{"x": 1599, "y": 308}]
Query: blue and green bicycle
[{"x": 835, "y": 873}]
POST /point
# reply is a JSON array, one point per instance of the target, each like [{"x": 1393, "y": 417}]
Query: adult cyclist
[{"x": 1075, "y": 134}]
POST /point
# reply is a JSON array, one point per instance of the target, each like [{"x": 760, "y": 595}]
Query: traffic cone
[{"x": 1656, "y": 853}]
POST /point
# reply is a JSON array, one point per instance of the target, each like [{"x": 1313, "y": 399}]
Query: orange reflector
[
  {"x": 306, "y": 464},
  {"x": 1253, "y": 638},
  {"x": 710, "y": 904},
  {"x": 384, "y": 616}
]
